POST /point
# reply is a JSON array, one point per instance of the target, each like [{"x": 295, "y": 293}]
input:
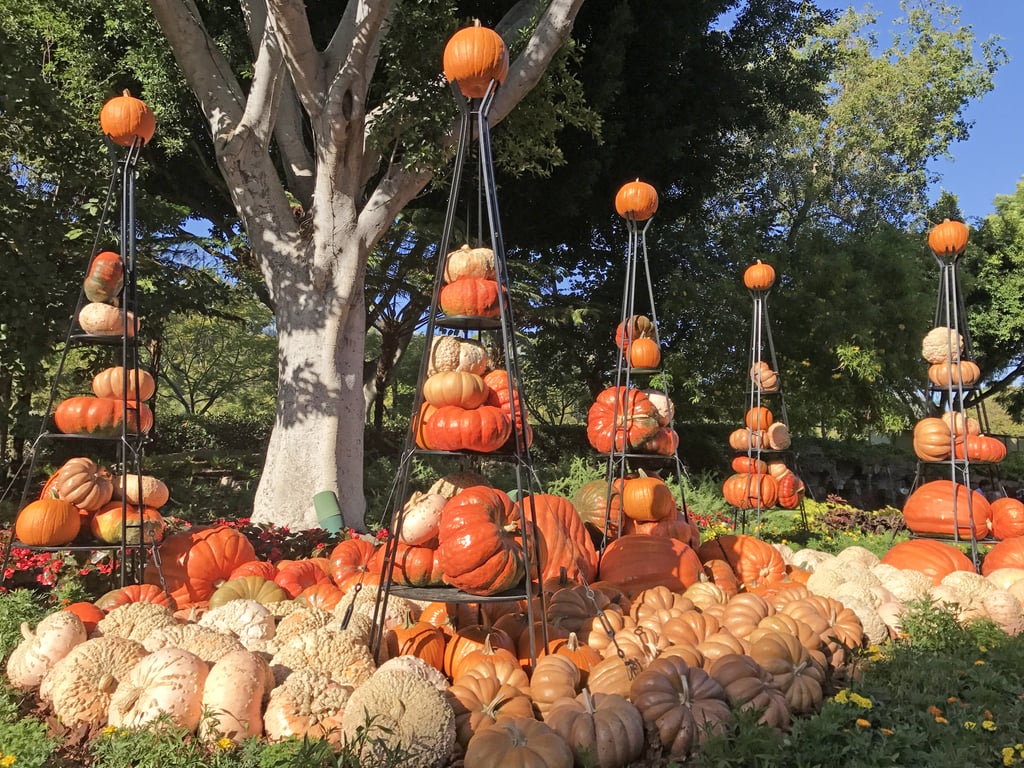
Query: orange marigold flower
[
  {"x": 934, "y": 711},
  {"x": 862, "y": 723}
]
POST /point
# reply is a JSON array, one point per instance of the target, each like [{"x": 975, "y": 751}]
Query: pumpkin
[
  {"x": 105, "y": 278},
  {"x": 683, "y": 704},
  {"x": 1007, "y": 518},
  {"x": 942, "y": 345},
  {"x": 476, "y": 551},
  {"x": 603, "y": 729},
  {"x": 1008, "y": 553},
  {"x": 764, "y": 378},
  {"x": 198, "y": 561},
  {"x": 125, "y": 119},
  {"x": 82, "y": 482},
  {"x": 47, "y": 523},
  {"x": 647, "y": 498},
  {"x": 135, "y": 593},
  {"x": 416, "y": 638},
  {"x": 948, "y": 238},
  {"x": 758, "y": 418},
  {"x": 101, "y": 417},
  {"x": 620, "y": 418},
  {"x": 164, "y": 684},
  {"x": 470, "y": 297},
  {"x": 89, "y": 613},
  {"x": 599, "y": 502},
  {"x": 635, "y": 562},
  {"x": 752, "y": 560},
  {"x": 664, "y": 442},
  {"x": 469, "y": 262},
  {"x": 634, "y": 327},
  {"x": 419, "y": 423},
  {"x": 945, "y": 508},
  {"x": 934, "y": 559},
  {"x": 960, "y": 373},
  {"x": 777, "y": 436},
  {"x": 99, "y": 319},
  {"x": 791, "y": 491},
  {"x": 504, "y": 394},
  {"x": 749, "y": 465},
  {"x": 421, "y": 516},
  {"x": 111, "y": 382},
  {"x": 111, "y": 523},
  {"x": 451, "y": 428},
  {"x": 745, "y": 439},
  {"x": 81, "y": 684},
  {"x": 933, "y": 440},
  {"x": 253, "y": 587},
  {"x": 747, "y": 491},
  {"x": 749, "y": 686},
  {"x": 450, "y": 353},
  {"x": 759, "y": 276},
  {"x": 471, "y": 639},
  {"x": 643, "y": 353},
  {"x": 352, "y": 562},
  {"x": 39, "y": 650},
  {"x": 960, "y": 424},
  {"x": 323, "y": 595},
  {"x": 260, "y": 568},
  {"x": 636, "y": 201},
  {"x": 234, "y": 693},
  {"x": 414, "y": 566},
  {"x": 562, "y": 541},
  {"x": 519, "y": 741},
  {"x": 980, "y": 448},
  {"x": 799, "y": 674},
  {"x": 295, "y": 576},
  {"x": 663, "y": 406},
  {"x": 478, "y": 701},
  {"x": 142, "y": 489},
  {"x": 676, "y": 526},
  {"x": 473, "y": 58},
  {"x": 466, "y": 390}
]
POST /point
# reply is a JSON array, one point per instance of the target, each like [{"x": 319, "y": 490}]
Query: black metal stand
[
  {"x": 473, "y": 124},
  {"x": 131, "y": 552}
]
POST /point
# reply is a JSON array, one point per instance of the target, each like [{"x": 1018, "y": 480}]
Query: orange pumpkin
[
  {"x": 959, "y": 373},
  {"x": 635, "y": 327},
  {"x": 125, "y": 119},
  {"x": 635, "y": 563},
  {"x": 466, "y": 390},
  {"x": 111, "y": 383},
  {"x": 101, "y": 417},
  {"x": 564, "y": 545},
  {"x": 89, "y": 613},
  {"x": 934, "y": 559},
  {"x": 943, "y": 508},
  {"x": 146, "y": 525},
  {"x": 980, "y": 448},
  {"x": 636, "y": 201},
  {"x": 1008, "y": 553},
  {"x": 1007, "y": 518},
  {"x": 135, "y": 593},
  {"x": 196, "y": 562},
  {"x": 470, "y": 297},
  {"x": 752, "y": 560},
  {"x": 647, "y": 498},
  {"x": 747, "y": 491},
  {"x": 625, "y": 418},
  {"x": 47, "y": 523},
  {"x": 644, "y": 353},
  {"x": 749, "y": 465},
  {"x": 483, "y": 429},
  {"x": 105, "y": 278},
  {"x": 759, "y": 276},
  {"x": 948, "y": 238},
  {"x": 294, "y": 577},
  {"x": 759, "y": 418},
  {"x": 352, "y": 562},
  {"x": 473, "y": 57},
  {"x": 933, "y": 440}
]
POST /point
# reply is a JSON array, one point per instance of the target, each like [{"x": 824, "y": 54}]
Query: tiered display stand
[
  {"x": 952, "y": 444},
  {"x": 118, "y": 346},
  {"x": 764, "y": 468},
  {"x": 496, "y": 333},
  {"x": 638, "y": 367}
]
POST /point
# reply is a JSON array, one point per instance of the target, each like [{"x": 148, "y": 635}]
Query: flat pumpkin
[
  {"x": 935, "y": 559},
  {"x": 450, "y": 428},
  {"x": 101, "y": 417},
  {"x": 466, "y": 390},
  {"x": 635, "y": 562},
  {"x": 469, "y": 262},
  {"x": 196, "y": 562},
  {"x": 470, "y": 297},
  {"x": 117, "y": 382},
  {"x": 945, "y": 508}
]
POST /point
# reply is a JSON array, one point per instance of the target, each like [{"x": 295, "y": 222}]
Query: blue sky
[{"x": 991, "y": 161}]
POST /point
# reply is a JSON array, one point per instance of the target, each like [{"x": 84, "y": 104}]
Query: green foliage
[
  {"x": 26, "y": 743},
  {"x": 20, "y": 605}
]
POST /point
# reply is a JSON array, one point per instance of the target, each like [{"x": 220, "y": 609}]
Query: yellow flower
[
  {"x": 979, "y": 663},
  {"x": 842, "y": 697},
  {"x": 8, "y": 761},
  {"x": 934, "y": 711},
  {"x": 982, "y": 648},
  {"x": 109, "y": 730},
  {"x": 860, "y": 701},
  {"x": 862, "y": 723},
  {"x": 940, "y": 719},
  {"x": 970, "y": 725},
  {"x": 225, "y": 743},
  {"x": 1008, "y": 758},
  {"x": 887, "y": 731},
  {"x": 988, "y": 725}
]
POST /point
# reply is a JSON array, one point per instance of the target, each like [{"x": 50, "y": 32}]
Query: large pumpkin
[
  {"x": 196, "y": 562},
  {"x": 483, "y": 429},
  {"x": 470, "y": 297},
  {"x": 146, "y": 526},
  {"x": 115, "y": 382},
  {"x": 948, "y": 238},
  {"x": 625, "y": 416},
  {"x": 101, "y": 417},
  {"x": 473, "y": 57},
  {"x": 562, "y": 539},
  {"x": 597, "y": 500},
  {"x": 933, "y": 440},
  {"x": 934, "y": 559},
  {"x": 980, "y": 448},
  {"x": 945, "y": 508},
  {"x": 476, "y": 548},
  {"x": 1008, "y": 553},
  {"x": 754, "y": 562},
  {"x": 635, "y": 562},
  {"x": 47, "y": 523},
  {"x": 750, "y": 491},
  {"x": 636, "y": 201},
  {"x": 960, "y": 373},
  {"x": 125, "y": 119},
  {"x": 1007, "y": 518},
  {"x": 105, "y": 278}
]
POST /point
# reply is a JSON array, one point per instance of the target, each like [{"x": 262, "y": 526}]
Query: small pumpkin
[
  {"x": 470, "y": 297},
  {"x": 142, "y": 489},
  {"x": 745, "y": 439},
  {"x": 473, "y": 57},
  {"x": 764, "y": 378},
  {"x": 643, "y": 353},
  {"x": 602, "y": 729},
  {"x": 105, "y": 278},
  {"x": 47, "y": 523},
  {"x": 125, "y": 119},
  {"x": 759, "y": 276},
  {"x": 636, "y": 201},
  {"x": 111, "y": 383},
  {"x": 469, "y": 262},
  {"x": 99, "y": 319},
  {"x": 518, "y": 741},
  {"x": 961, "y": 373},
  {"x": 466, "y": 390},
  {"x": 949, "y": 238}
]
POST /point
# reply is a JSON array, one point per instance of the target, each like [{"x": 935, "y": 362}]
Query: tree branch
[{"x": 304, "y": 63}]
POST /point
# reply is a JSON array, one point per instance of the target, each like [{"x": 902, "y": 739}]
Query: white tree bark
[{"x": 316, "y": 282}]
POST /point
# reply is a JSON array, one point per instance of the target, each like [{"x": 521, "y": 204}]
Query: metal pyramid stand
[
  {"x": 955, "y": 398},
  {"x": 762, "y": 351},
  {"x": 473, "y": 124},
  {"x": 130, "y": 557},
  {"x": 620, "y": 459}
]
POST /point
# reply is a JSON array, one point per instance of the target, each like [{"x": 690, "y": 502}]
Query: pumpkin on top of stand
[{"x": 473, "y": 57}]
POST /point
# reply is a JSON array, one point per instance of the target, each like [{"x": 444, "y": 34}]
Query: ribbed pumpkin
[
  {"x": 748, "y": 491},
  {"x": 764, "y": 378},
  {"x": 105, "y": 278},
  {"x": 753, "y": 561},
  {"x": 470, "y": 297},
  {"x": 626, "y": 416},
  {"x": 466, "y": 390},
  {"x": 47, "y": 523},
  {"x": 82, "y": 482},
  {"x": 483, "y": 429},
  {"x": 633, "y": 328},
  {"x": 1007, "y": 518},
  {"x": 473, "y": 57},
  {"x": 476, "y": 551},
  {"x": 469, "y": 262},
  {"x": 596, "y": 499},
  {"x": 563, "y": 543},
  {"x": 647, "y": 498},
  {"x": 198, "y": 561},
  {"x": 125, "y": 118},
  {"x": 961, "y": 373},
  {"x": 749, "y": 465},
  {"x": 932, "y": 440},
  {"x": 941, "y": 506},
  {"x": 101, "y": 417},
  {"x": 981, "y": 448},
  {"x": 948, "y": 238},
  {"x": 759, "y": 276},
  {"x": 759, "y": 418},
  {"x": 110, "y": 383},
  {"x": 147, "y": 526},
  {"x": 636, "y": 201}
]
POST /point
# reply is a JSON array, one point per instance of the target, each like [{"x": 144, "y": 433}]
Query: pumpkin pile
[
  {"x": 118, "y": 402},
  {"x": 632, "y": 666},
  {"x": 755, "y": 482},
  {"x": 470, "y": 284}
]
